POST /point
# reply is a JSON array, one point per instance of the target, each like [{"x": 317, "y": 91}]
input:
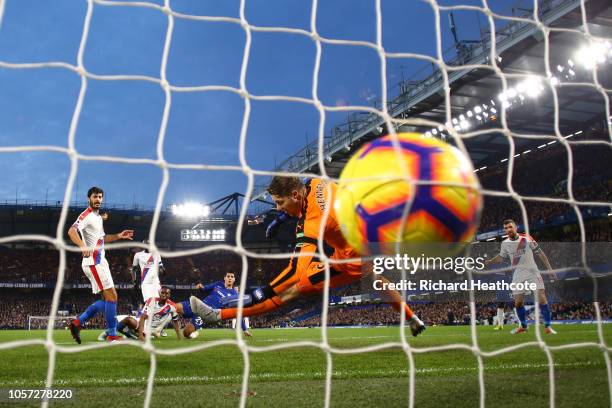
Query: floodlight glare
[
  {"x": 190, "y": 210},
  {"x": 592, "y": 55}
]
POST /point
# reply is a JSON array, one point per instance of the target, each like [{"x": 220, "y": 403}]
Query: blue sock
[
  {"x": 545, "y": 310},
  {"x": 522, "y": 315},
  {"x": 110, "y": 312},
  {"x": 120, "y": 326},
  {"x": 91, "y": 311}
]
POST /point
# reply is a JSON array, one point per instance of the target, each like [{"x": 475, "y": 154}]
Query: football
[{"x": 430, "y": 176}]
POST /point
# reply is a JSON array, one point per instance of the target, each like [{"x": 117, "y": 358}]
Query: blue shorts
[{"x": 188, "y": 314}]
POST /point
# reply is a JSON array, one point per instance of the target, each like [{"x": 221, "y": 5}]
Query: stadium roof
[{"x": 521, "y": 55}]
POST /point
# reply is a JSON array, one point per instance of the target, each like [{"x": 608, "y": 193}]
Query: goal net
[{"x": 433, "y": 103}]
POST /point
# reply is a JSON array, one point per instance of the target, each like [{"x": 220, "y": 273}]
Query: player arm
[
  {"x": 205, "y": 289},
  {"x": 546, "y": 262},
  {"x": 135, "y": 271},
  {"x": 495, "y": 260},
  {"x": 125, "y": 234},
  {"x": 141, "y": 323},
  {"x": 177, "y": 329},
  {"x": 75, "y": 237}
]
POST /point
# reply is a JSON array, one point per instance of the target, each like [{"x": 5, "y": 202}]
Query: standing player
[
  {"x": 146, "y": 269},
  {"x": 518, "y": 250},
  {"x": 87, "y": 232},
  {"x": 501, "y": 316},
  {"x": 305, "y": 274},
  {"x": 214, "y": 295}
]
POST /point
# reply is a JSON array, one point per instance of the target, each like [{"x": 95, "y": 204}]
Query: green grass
[{"x": 295, "y": 377}]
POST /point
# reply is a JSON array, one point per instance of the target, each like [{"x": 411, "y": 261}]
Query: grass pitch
[{"x": 116, "y": 375}]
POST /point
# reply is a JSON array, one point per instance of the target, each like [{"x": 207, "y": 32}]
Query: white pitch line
[{"x": 290, "y": 376}]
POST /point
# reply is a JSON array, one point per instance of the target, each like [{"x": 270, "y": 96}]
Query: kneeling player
[
  {"x": 214, "y": 295},
  {"x": 518, "y": 250},
  {"x": 305, "y": 275},
  {"x": 157, "y": 313}
]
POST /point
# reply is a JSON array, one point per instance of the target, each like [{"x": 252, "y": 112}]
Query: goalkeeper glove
[{"x": 273, "y": 227}]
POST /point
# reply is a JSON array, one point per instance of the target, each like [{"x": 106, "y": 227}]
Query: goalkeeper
[{"x": 305, "y": 274}]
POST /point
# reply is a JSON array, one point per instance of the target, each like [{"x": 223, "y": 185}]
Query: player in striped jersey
[
  {"x": 87, "y": 233},
  {"x": 157, "y": 313},
  {"x": 146, "y": 268},
  {"x": 518, "y": 250},
  {"x": 162, "y": 310}
]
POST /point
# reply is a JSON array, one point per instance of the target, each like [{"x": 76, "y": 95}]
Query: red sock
[{"x": 260, "y": 308}]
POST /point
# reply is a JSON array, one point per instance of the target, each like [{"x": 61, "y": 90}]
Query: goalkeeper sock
[
  {"x": 545, "y": 310},
  {"x": 110, "y": 312},
  {"x": 263, "y": 307},
  {"x": 91, "y": 311},
  {"x": 398, "y": 306},
  {"x": 522, "y": 315}
]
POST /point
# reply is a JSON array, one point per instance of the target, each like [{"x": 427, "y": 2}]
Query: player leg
[
  {"x": 128, "y": 326},
  {"x": 98, "y": 283},
  {"x": 394, "y": 297},
  {"x": 269, "y": 298},
  {"x": 521, "y": 313},
  {"x": 500, "y": 318},
  {"x": 344, "y": 274},
  {"x": 545, "y": 310},
  {"x": 150, "y": 290},
  {"x": 104, "y": 281}
]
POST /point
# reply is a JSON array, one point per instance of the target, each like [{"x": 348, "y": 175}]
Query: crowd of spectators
[
  {"x": 442, "y": 313},
  {"x": 41, "y": 265},
  {"x": 544, "y": 173}
]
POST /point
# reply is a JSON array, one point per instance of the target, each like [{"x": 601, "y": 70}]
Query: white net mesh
[{"x": 448, "y": 74}]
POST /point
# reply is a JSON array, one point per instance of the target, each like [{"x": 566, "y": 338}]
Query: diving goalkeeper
[{"x": 305, "y": 275}]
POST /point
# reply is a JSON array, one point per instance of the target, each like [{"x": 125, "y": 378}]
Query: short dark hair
[
  {"x": 94, "y": 190},
  {"x": 509, "y": 221},
  {"x": 164, "y": 288},
  {"x": 228, "y": 272},
  {"x": 283, "y": 186}
]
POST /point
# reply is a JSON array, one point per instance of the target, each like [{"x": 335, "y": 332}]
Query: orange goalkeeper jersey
[{"x": 305, "y": 271}]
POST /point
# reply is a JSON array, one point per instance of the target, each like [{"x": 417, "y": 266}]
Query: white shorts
[
  {"x": 99, "y": 275},
  {"x": 526, "y": 276},
  {"x": 121, "y": 317},
  {"x": 150, "y": 290}
]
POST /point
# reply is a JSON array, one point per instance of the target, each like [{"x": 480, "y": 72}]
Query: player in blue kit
[{"x": 216, "y": 295}]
